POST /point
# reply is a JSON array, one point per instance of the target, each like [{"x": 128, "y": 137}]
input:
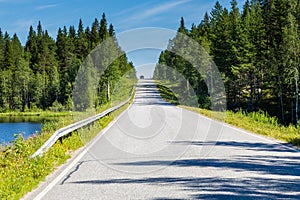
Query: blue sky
[{"x": 17, "y": 15}]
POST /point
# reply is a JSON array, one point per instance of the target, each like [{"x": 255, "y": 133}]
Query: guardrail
[{"x": 72, "y": 127}]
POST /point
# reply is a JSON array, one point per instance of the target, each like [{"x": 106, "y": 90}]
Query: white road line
[
  {"x": 76, "y": 160},
  {"x": 249, "y": 133},
  {"x": 261, "y": 137}
]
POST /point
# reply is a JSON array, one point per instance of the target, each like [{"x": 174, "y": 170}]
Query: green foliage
[
  {"x": 56, "y": 107},
  {"x": 167, "y": 94},
  {"x": 256, "y": 50},
  {"x": 42, "y": 75}
]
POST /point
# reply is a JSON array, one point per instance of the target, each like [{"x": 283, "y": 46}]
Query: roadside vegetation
[
  {"x": 19, "y": 174},
  {"x": 257, "y": 122},
  {"x": 39, "y": 80},
  {"x": 256, "y": 49},
  {"x": 167, "y": 94},
  {"x": 36, "y": 114}
]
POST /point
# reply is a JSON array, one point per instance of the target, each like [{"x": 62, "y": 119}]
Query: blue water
[{"x": 8, "y": 130}]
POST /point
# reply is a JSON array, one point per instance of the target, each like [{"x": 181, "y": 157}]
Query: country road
[{"x": 155, "y": 150}]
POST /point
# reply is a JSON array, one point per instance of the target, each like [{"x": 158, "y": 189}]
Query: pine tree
[
  {"x": 258, "y": 38},
  {"x": 8, "y": 63},
  {"x": 244, "y": 71},
  {"x": 95, "y": 38},
  {"x": 103, "y": 33},
  {"x": 275, "y": 13},
  {"x": 22, "y": 75},
  {"x": 2, "y": 45},
  {"x": 32, "y": 49},
  {"x": 111, "y": 31},
  {"x": 291, "y": 55},
  {"x": 81, "y": 42},
  {"x": 216, "y": 16}
]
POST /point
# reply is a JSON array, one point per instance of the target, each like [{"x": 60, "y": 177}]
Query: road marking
[
  {"x": 262, "y": 137},
  {"x": 249, "y": 133},
  {"x": 76, "y": 160},
  {"x": 102, "y": 133}
]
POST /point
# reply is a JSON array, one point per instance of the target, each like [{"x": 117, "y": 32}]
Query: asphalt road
[{"x": 158, "y": 151}]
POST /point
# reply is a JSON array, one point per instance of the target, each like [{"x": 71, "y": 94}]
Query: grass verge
[
  {"x": 19, "y": 174},
  {"x": 256, "y": 122},
  {"x": 37, "y": 114}
]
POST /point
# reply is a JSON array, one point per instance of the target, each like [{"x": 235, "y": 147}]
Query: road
[{"x": 155, "y": 150}]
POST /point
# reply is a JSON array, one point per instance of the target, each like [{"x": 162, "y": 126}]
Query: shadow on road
[
  {"x": 215, "y": 188},
  {"x": 276, "y": 177},
  {"x": 254, "y": 146}
]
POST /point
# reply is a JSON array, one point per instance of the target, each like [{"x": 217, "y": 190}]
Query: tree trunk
[
  {"x": 187, "y": 87},
  {"x": 292, "y": 111},
  {"x": 297, "y": 98},
  {"x": 251, "y": 106},
  {"x": 282, "y": 109},
  {"x": 108, "y": 91}
]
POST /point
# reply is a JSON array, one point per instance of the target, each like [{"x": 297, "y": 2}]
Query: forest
[
  {"x": 41, "y": 75},
  {"x": 256, "y": 50}
]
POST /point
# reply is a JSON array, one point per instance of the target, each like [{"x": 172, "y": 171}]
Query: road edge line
[
  {"x": 77, "y": 158},
  {"x": 263, "y": 137}
]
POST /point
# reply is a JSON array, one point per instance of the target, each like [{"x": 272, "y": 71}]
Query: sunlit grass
[
  {"x": 39, "y": 114},
  {"x": 256, "y": 122},
  {"x": 167, "y": 94}
]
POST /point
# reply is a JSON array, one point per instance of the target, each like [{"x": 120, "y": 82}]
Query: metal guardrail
[{"x": 72, "y": 127}]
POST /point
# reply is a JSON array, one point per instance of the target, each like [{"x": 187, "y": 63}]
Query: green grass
[
  {"x": 256, "y": 122},
  {"x": 167, "y": 94},
  {"x": 19, "y": 174},
  {"x": 39, "y": 114}
]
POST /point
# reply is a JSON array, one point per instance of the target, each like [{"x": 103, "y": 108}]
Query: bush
[{"x": 56, "y": 107}]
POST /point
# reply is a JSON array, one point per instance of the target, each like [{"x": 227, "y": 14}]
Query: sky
[{"x": 16, "y": 16}]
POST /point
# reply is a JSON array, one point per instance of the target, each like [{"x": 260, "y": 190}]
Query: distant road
[{"x": 155, "y": 150}]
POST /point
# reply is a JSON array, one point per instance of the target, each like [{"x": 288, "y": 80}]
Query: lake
[{"x": 9, "y": 126}]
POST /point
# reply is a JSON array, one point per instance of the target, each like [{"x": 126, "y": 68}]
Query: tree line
[
  {"x": 257, "y": 51},
  {"x": 42, "y": 74}
]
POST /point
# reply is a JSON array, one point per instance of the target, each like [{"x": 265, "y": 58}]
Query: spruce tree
[
  {"x": 291, "y": 55},
  {"x": 95, "y": 38},
  {"x": 103, "y": 32},
  {"x": 81, "y": 42}
]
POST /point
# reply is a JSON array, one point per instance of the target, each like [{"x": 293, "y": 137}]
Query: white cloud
[
  {"x": 43, "y": 7},
  {"x": 159, "y": 9},
  {"x": 130, "y": 9},
  {"x": 145, "y": 13}
]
